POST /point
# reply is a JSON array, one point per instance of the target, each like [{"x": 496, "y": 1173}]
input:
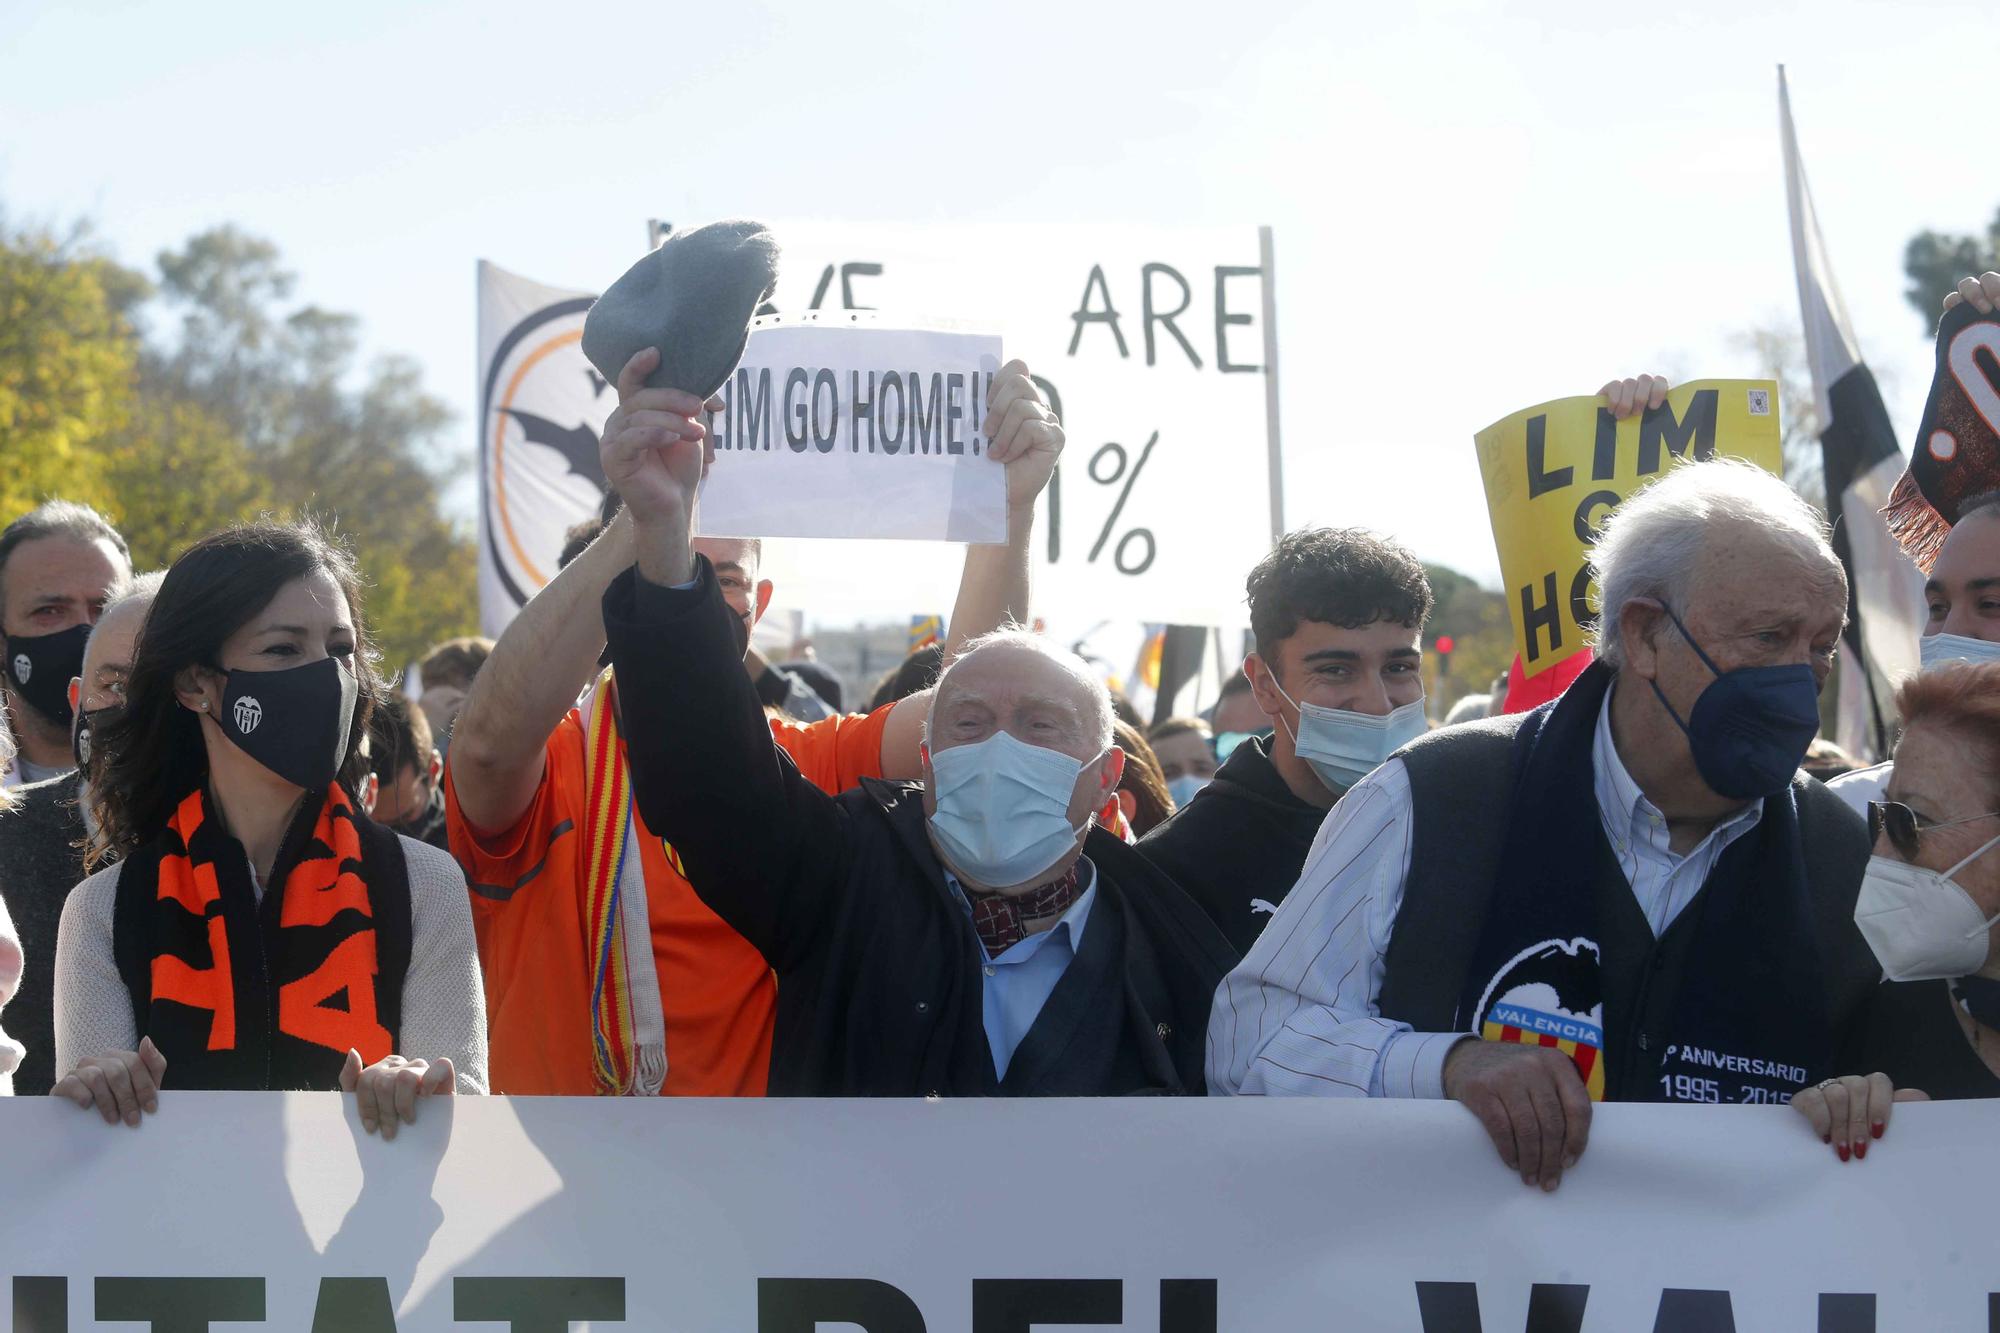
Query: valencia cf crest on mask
[{"x": 1549, "y": 995}]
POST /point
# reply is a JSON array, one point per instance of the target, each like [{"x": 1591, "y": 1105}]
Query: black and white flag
[{"x": 1862, "y": 462}]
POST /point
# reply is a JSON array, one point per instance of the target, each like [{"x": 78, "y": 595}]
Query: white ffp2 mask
[{"x": 1920, "y": 923}]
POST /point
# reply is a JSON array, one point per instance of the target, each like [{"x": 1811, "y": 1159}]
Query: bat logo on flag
[
  {"x": 576, "y": 444},
  {"x": 1549, "y": 995}
]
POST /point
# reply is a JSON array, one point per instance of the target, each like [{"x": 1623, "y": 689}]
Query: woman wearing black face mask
[{"x": 259, "y": 931}]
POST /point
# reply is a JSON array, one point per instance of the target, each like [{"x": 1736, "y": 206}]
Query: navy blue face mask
[{"x": 1751, "y": 727}]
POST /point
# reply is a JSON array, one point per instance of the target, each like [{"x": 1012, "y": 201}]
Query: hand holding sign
[
  {"x": 1983, "y": 291},
  {"x": 1024, "y": 432}
]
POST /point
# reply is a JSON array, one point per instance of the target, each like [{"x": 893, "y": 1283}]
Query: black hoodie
[{"x": 1238, "y": 847}]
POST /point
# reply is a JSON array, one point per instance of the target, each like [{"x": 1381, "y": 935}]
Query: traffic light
[{"x": 1443, "y": 645}]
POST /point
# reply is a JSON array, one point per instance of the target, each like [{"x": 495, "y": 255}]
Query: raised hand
[
  {"x": 1022, "y": 432},
  {"x": 1626, "y": 397},
  {"x": 653, "y": 450},
  {"x": 1983, "y": 291}
]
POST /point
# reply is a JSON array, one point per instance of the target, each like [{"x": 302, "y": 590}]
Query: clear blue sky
[{"x": 1477, "y": 206}]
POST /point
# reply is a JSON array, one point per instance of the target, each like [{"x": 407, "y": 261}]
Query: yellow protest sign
[{"x": 1554, "y": 471}]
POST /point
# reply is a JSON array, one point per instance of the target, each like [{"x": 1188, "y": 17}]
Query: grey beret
[{"x": 693, "y": 298}]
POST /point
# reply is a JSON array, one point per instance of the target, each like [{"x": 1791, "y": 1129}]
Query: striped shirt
[{"x": 1299, "y": 1016}]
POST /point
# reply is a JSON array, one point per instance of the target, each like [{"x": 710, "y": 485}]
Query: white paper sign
[
  {"x": 844, "y": 427},
  {"x": 1157, "y": 346},
  {"x": 1255, "y": 1215}
]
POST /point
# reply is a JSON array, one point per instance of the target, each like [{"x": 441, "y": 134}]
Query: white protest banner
[
  {"x": 843, "y": 427},
  {"x": 1156, "y": 344},
  {"x": 1197, "y": 1216},
  {"x": 540, "y": 407}
]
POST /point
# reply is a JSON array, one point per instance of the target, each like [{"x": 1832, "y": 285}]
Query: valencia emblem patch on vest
[{"x": 1549, "y": 995}]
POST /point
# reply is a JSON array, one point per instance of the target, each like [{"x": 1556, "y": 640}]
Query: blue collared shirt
[{"x": 1017, "y": 983}]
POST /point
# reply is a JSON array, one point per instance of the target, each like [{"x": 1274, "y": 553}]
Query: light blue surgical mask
[
  {"x": 1003, "y": 809},
  {"x": 1344, "y": 746},
  {"x": 1183, "y": 788},
  {"x": 1227, "y": 741},
  {"x": 1936, "y": 650}
]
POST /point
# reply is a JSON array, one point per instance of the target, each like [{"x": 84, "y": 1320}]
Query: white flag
[{"x": 541, "y": 404}]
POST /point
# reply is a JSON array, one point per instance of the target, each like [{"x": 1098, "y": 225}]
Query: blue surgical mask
[
  {"x": 1227, "y": 741},
  {"x": 1183, "y": 788},
  {"x": 1003, "y": 809},
  {"x": 1936, "y": 650},
  {"x": 1750, "y": 729},
  {"x": 1343, "y": 746}
]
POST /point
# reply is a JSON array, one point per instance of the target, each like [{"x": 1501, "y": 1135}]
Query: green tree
[
  {"x": 355, "y": 448},
  {"x": 67, "y": 364},
  {"x": 1935, "y": 261},
  {"x": 1482, "y": 637},
  {"x": 174, "y": 474}
]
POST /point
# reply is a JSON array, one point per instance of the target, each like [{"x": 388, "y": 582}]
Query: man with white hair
[
  {"x": 972, "y": 934},
  {"x": 42, "y": 836},
  {"x": 1628, "y": 894}
]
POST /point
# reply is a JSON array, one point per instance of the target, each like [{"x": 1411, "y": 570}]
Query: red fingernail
[
  {"x": 1861, "y": 1149},
  {"x": 1843, "y": 1150},
  {"x": 1876, "y": 1130}
]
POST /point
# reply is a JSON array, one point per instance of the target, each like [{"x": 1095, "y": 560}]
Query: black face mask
[
  {"x": 1981, "y": 998},
  {"x": 41, "y": 666},
  {"x": 294, "y": 722},
  {"x": 90, "y": 723}
]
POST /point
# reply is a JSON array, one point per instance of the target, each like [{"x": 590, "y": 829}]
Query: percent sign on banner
[{"x": 1108, "y": 467}]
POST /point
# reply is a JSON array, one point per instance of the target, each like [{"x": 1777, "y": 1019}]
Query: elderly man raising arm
[
  {"x": 975, "y": 935},
  {"x": 604, "y": 972},
  {"x": 1629, "y": 894}
]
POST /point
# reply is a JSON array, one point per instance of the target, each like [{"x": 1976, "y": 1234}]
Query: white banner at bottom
[{"x": 984, "y": 1217}]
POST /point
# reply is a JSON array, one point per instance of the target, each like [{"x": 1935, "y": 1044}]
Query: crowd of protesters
[{"x": 618, "y": 852}]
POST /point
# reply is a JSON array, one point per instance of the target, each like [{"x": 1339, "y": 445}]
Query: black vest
[{"x": 1460, "y": 787}]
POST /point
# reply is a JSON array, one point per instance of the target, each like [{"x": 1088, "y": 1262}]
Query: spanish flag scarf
[
  {"x": 270, "y": 991},
  {"x": 628, "y": 1025}
]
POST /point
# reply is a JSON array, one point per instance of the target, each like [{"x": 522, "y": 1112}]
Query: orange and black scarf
[{"x": 239, "y": 992}]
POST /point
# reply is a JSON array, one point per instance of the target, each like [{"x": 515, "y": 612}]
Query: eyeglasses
[{"x": 1904, "y": 825}]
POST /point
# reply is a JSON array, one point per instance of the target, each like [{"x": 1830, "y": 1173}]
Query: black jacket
[
  {"x": 1239, "y": 845},
  {"x": 879, "y": 987},
  {"x": 41, "y": 860}
]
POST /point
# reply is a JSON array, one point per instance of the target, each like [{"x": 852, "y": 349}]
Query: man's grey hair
[
  {"x": 1651, "y": 545},
  {"x": 59, "y": 518},
  {"x": 137, "y": 588},
  {"x": 1099, "y": 718}
]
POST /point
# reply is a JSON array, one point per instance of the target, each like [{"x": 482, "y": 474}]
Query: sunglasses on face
[{"x": 1905, "y": 826}]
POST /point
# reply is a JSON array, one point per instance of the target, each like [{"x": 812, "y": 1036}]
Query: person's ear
[
  {"x": 763, "y": 602},
  {"x": 1112, "y": 771},
  {"x": 195, "y": 688},
  {"x": 370, "y": 791},
  {"x": 75, "y": 692},
  {"x": 1129, "y": 804},
  {"x": 1640, "y": 623},
  {"x": 1263, "y": 686},
  {"x": 436, "y": 768}
]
